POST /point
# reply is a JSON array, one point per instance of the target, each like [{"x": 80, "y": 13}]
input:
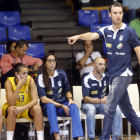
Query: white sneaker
[{"x": 138, "y": 138}]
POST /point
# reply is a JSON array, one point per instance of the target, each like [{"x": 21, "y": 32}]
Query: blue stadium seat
[
  {"x": 105, "y": 17},
  {"x": 9, "y": 18},
  {"x": 19, "y": 32},
  {"x": 36, "y": 50},
  {"x": 3, "y": 36},
  {"x": 96, "y": 27},
  {"x": 2, "y": 50},
  {"x": 87, "y": 17}
]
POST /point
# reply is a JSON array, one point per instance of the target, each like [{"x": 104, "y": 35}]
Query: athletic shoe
[{"x": 138, "y": 138}]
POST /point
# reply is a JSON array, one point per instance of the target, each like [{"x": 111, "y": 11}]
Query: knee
[
  {"x": 37, "y": 109},
  {"x": 73, "y": 107},
  {"x": 10, "y": 111},
  {"x": 0, "y": 113}
]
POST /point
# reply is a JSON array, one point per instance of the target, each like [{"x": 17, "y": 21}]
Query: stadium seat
[
  {"x": 96, "y": 27},
  {"x": 105, "y": 17},
  {"x": 36, "y": 50},
  {"x": 3, "y": 36},
  {"x": 19, "y": 32},
  {"x": 9, "y": 18},
  {"x": 87, "y": 17},
  {"x": 2, "y": 50}
]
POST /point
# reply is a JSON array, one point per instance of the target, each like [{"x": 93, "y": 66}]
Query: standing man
[
  {"x": 94, "y": 97},
  {"x": 85, "y": 59},
  {"x": 120, "y": 40}
]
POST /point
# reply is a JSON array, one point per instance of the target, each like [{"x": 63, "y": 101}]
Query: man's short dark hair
[
  {"x": 86, "y": 40},
  {"x": 115, "y": 4},
  {"x": 21, "y": 43}
]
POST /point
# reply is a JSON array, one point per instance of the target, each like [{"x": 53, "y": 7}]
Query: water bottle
[
  {"x": 3, "y": 133},
  {"x": 31, "y": 133},
  {"x": 65, "y": 135}
]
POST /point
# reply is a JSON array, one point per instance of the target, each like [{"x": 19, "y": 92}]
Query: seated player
[
  {"x": 56, "y": 98},
  {"x": 22, "y": 101}
]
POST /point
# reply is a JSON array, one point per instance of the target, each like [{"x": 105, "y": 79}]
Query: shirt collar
[
  {"x": 121, "y": 28},
  {"x": 93, "y": 77},
  {"x": 55, "y": 74}
]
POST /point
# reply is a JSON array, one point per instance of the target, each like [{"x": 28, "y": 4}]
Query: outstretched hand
[{"x": 72, "y": 40}]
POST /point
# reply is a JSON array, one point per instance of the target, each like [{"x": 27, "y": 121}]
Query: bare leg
[
  {"x": 11, "y": 119},
  {"x": 36, "y": 112},
  {"x": 1, "y": 121},
  {"x": 56, "y": 135}
]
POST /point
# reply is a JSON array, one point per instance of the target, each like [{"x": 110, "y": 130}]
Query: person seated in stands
[
  {"x": 55, "y": 97},
  {"x": 94, "y": 87},
  {"x": 22, "y": 101},
  {"x": 136, "y": 25},
  {"x": 10, "y": 47},
  {"x": 18, "y": 55},
  {"x": 85, "y": 59},
  {"x": 131, "y": 8}
]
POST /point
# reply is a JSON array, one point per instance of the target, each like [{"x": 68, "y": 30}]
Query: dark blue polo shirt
[
  {"x": 119, "y": 45},
  {"x": 59, "y": 86},
  {"x": 92, "y": 87}
]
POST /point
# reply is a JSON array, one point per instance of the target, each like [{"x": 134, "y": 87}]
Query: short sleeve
[
  {"x": 101, "y": 33},
  {"x": 85, "y": 86},
  {"x": 40, "y": 86},
  {"x": 78, "y": 57},
  {"x": 134, "y": 39},
  {"x": 66, "y": 86}
]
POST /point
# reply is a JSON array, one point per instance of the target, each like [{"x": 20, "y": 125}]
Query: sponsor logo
[
  {"x": 120, "y": 53},
  {"x": 27, "y": 91},
  {"x": 94, "y": 92},
  {"x": 108, "y": 45},
  {"x": 59, "y": 83},
  {"x": 104, "y": 89},
  {"x": 60, "y": 90},
  {"x": 109, "y": 35},
  {"x": 109, "y": 53},
  {"x": 49, "y": 92},
  {"x": 94, "y": 85},
  {"x": 119, "y": 46},
  {"x": 121, "y": 38}
]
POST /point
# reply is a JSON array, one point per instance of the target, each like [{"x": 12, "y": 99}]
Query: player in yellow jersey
[
  {"x": 22, "y": 101},
  {"x": 1, "y": 120}
]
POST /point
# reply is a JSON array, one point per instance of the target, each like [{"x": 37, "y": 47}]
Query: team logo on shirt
[
  {"x": 119, "y": 46},
  {"x": 60, "y": 90},
  {"x": 59, "y": 83},
  {"x": 49, "y": 92},
  {"x": 94, "y": 92},
  {"x": 121, "y": 38},
  {"x": 108, "y": 45},
  {"x": 27, "y": 91}
]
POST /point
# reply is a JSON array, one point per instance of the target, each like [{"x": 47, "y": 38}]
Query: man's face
[
  {"x": 21, "y": 51},
  {"x": 116, "y": 15},
  {"x": 99, "y": 66},
  {"x": 87, "y": 45}
]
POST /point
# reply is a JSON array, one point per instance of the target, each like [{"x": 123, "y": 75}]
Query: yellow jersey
[{"x": 24, "y": 96}]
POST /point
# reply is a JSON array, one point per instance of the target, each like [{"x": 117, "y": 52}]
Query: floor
[{"x": 125, "y": 138}]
